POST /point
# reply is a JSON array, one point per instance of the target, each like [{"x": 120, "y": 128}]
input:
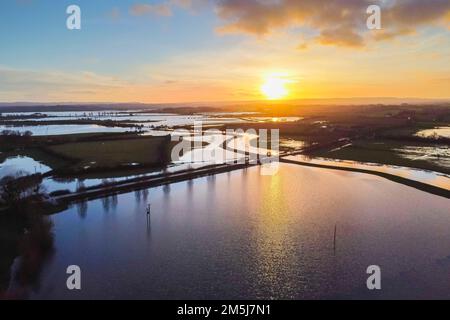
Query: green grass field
[
  {"x": 93, "y": 155},
  {"x": 113, "y": 153}
]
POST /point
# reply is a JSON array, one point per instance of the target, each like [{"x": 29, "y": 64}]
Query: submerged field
[{"x": 405, "y": 154}]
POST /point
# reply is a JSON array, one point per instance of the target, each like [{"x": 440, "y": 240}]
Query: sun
[{"x": 274, "y": 87}]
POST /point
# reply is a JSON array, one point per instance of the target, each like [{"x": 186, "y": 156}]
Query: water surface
[
  {"x": 433, "y": 178},
  {"x": 244, "y": 235},
  {"x": 436, "y": 132},
  {"x": 19, "y": 164},
  {"x": 436, "y": 154},
  {"x": 64, "y": 129}
]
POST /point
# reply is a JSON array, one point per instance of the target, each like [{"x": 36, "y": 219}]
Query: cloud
[
  {"x": 341, "y": 36},
  {"x": 19, "y": 84},
  {"x": 163, "y": 9},
  {"x": 338, "y": 22},
  {"x": 57, "y": 86},
  {"x": 405, "y": 17},
  {"x": 166, "y": 8}
]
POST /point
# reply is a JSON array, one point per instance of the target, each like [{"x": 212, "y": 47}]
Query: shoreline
[
  {"x": 122, "y": 187},
  {"x": 395, "y": 178}
]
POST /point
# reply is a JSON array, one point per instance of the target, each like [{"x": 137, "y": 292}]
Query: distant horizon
[{"x": 318, "y": 101}]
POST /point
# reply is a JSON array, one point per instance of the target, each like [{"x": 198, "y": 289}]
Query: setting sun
[{"x": 274, "y": 87}]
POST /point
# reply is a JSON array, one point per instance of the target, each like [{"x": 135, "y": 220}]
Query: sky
[{"x": 166, "y": 51}]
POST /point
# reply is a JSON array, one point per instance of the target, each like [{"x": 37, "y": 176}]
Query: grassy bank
[
  {"x": 110, "y": 154},
  {"x": 92, "y": 155}
]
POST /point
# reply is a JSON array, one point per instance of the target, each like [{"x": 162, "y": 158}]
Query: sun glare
[{"x": 274, "y": 87}]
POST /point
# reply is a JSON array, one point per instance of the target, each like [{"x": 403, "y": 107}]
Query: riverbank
[
  {"x": 421, "y": 154},
  {"x": 433, "y": 189},
  {"x": 141, "y": 183}
]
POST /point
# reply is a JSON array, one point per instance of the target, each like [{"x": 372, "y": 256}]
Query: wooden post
[{"x": 334, "y": 240}]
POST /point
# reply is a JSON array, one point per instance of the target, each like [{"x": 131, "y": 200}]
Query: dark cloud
[
  {"x": 337, "y": 22},
  {"x": 406, "y": 16}
]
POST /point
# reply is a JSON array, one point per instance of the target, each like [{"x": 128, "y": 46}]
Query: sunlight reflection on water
[{"x": 244, "y": 235}]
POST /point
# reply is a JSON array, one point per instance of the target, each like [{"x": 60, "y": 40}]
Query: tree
[{"x": 14, "y": 189}]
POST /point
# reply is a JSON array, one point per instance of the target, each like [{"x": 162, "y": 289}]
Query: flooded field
[
  {"x": 64, "y": 129},
  {"x": 147, "y": 121},
  {"x": 26, "y": 165},
  {"x": 428, "y": 177},
  {"x": 436, "y": 132},
  {"x": 437, "y": 154},
  {"x": 275, "y": 242}
]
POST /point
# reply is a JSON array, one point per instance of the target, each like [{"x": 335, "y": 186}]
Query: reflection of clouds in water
[{"x": 295, "y": 211}]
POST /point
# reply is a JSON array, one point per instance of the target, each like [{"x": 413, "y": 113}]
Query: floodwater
[
  {"x": 26, "y": 165},
  {"x": 437, "y": 154},
  {"x": 432, "y": 178},
  {"x": 244, "y": 235},
  {"x": 436, "y": 132},
  {"x": 147, "y": 120},
  {"x": 64, "y": 129}
]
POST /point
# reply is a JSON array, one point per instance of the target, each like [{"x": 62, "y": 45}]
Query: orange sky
[{"x": 196, "y": 50}]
